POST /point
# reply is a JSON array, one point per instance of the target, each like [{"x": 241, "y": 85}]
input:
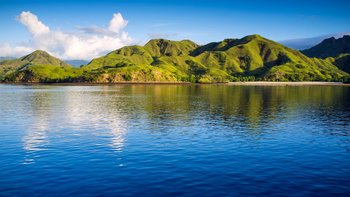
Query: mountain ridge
[
  {"x": 330, "y": 47},
  {"x": 252, "y": 57},
  {"x": 308, "y": 42},
  {"x": 34, "y": 67}
]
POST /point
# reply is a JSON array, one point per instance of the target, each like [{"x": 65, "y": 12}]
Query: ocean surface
[{"x": 174, "y": 140}]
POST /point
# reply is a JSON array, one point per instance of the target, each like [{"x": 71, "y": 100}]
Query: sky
[{"x": 91, "y": 28}]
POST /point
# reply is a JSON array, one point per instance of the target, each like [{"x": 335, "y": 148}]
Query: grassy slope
[
  {"x": 250, "y": 58},
  {"x": 12, "y": 67},
  {"x": 159, "y": 60},
  {"x": 335, "y": 51},
  {"x": 38, "y": 66},
  {"x": 45, "y": 73}
]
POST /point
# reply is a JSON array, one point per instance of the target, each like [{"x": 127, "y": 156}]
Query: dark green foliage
[
  {"x": 330, "y": 47},
  {"x": 343, "y": 62},
  {"x": 44, "y": 73},
  {"x": 244, "y": 78}
]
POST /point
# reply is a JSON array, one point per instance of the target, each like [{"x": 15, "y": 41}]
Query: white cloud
[
  {"x": 34, "y": 26},
  {"x": 6, "y": 50},
  {"x": 86, "y": 43},
  {"x": 117, "y": 23}
]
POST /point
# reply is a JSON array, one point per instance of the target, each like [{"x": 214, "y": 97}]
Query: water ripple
[{"x": 162, "y": 140}]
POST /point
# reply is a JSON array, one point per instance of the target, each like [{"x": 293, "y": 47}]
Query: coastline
[
  {"x": 304, "y": 83},
  {"x": 95, "y": 83},
  {"x": 249, "y": 83}
]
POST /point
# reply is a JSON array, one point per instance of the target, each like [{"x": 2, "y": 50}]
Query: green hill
[
  {"x": 330, "y": 47},
  {"x": 250, "y": 58},
  {"x": 38, "y": 66},
  {"x": 336, "y": 51}
]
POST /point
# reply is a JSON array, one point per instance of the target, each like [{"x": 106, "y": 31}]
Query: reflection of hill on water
[{"x": 100, "y": 111}]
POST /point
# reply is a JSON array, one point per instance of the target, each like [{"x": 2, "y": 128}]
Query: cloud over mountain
[{"x": 85, "y": 43}]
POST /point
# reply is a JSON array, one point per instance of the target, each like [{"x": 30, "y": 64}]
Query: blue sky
[{"x": 199, "y": 20}]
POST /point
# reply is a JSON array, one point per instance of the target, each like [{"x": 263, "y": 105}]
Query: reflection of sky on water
[
  {"x": 92, "y": 111},
  {"x": 37, "y": 136},
  {"x": 102, "y": 112},
  {"x": 78, "y": 110},
  {"x": 167, "y": 137}
]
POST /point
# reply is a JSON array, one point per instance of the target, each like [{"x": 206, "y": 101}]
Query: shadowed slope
[{"x": 330, "y": 47}]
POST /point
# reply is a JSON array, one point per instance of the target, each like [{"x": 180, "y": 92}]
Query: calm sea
[{"x": 174, "y": 140}]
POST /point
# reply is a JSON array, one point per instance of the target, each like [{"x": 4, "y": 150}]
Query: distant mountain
[
  {"x": 306, "y": 43},
  {"x": 76, "y": 63},
  {"x": 330, "y": 47},
  {"x": 6, "y": 58},
  {"x": 250, "y": 58}
]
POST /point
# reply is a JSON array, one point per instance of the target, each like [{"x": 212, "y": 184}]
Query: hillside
[
  {"x": 159, "y": 60},
  {"x": 250, "y": 58},
  {"x": 330, "y": 47},
  {"x": 38, "y": 66},
  {"x": 342, "y": 62}
]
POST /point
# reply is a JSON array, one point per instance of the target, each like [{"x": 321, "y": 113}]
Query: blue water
[{"x": 174, "y": 140}]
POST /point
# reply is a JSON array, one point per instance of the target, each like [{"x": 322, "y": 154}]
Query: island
[{"x": 251, "y": 58}]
